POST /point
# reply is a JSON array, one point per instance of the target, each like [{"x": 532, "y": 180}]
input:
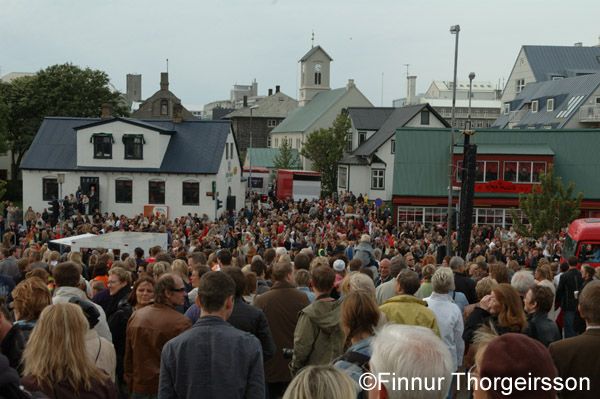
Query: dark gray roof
[
  {"x": 568, "y": 94},
  {"x": 196, "y": 147},
  {"x": 398, "y": 118},
  {"x": 364, "y": 118},
  {"x": 314, "y": 50},
  {"x": 565, "y": 61},
  {"x": 277, "y": 105},
  {"x": 353, "y": 160}
]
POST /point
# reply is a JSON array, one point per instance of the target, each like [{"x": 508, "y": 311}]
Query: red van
[{"x": 583, "y": 241}]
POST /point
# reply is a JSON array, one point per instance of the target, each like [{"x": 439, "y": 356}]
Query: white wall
[
  {"x": 521, "y": 70},
  {"x": 153, "y": 151}
]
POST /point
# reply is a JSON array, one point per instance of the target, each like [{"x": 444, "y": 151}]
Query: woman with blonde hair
[
  {"x": 56, "y": 361},
  {"x": 321, "y": 382},
  {"x": 180, "y": 268},
  {"x": 30, "y": 297}
]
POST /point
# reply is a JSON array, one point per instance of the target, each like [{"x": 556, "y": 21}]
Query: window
[
  {"x": 488, "y": 123},
  {"x": 424, "y": 117},
  {"x": 597, "y": 100},
  {"x": 276, "y": 141},
  {"x": 49, "y": 189},
  {"x": 317, "y": 78},
  {"x": 164, "y": 107},
  {"x": 269, "y": 141},
  {"x": 362, "y": 137},
  {"x": 480, "y": 123},
  {"x": 231, "y": 152},
  {"x": 271, "y": 122},
  {"x": 298, "y": 143},
  {"x": 485, "y": 171},
  {"x": 124, "y": 191},
  {"x": 393, "y": 145},
  {"x": 550, "y": 105},
  {"x": 133, "y": 146},
  {"x": 557, "y": 77},
  {"x": 191, "y": 193},
  {"x": 349, "y": 141},
  {"x": 156, "y": 192},
  {"x": 377, "y": 179},
  {"x": 506, "y": 109},
  {"x": 534, "y": 106},
  {"x": 523, "y": 172},
  {"x": 226, "y": 151},
  {"x": 342, "y": 176},
  {"x": 520, "y": 84},
  {"x": 102, "y": 145}
]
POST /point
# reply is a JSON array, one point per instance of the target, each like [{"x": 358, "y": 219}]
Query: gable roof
[
  {"x": 302, "y": 117},
  {"x": 277, "y": 105},
  {"x": 568, "y": 94},
  {"x": 566, "y": 61},
  {"x": 314, "y": 50},
  {"x": 400, "y": 117},
  {"x": 364, "y": 118},
  {"x": 265, "y": 157},
  {"x": 421, "y": 166},
  {"x": 196, "y": 147}
]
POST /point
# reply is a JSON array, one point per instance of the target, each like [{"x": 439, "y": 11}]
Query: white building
[{"x": 136, "y": 166}]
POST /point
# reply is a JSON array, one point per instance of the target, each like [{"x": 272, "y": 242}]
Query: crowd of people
[{"x": 320, "y": 299}]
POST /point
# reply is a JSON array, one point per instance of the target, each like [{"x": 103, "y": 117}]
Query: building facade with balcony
[{"x": 571, "y": 103}]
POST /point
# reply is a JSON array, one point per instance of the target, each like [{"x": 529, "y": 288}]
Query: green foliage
[
  {"x": 286, "y": 159},
  {"x": 2, "y": 193},
  {"x": 324, "y": 148},
  {"x": 59, "y": 90},
  {"x": 549, "y": 207}
]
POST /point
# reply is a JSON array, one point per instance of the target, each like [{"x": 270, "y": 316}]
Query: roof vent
[{"x": 578, "y": 44}]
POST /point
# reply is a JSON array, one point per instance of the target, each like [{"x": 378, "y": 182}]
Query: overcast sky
[{"x": 212, "y": 45}]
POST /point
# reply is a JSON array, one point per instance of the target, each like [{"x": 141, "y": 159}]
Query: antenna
[
  {"x": 407, "y": 65},
  {"x": 312, "y": 39},
  {"x": 167, "y": 65}
]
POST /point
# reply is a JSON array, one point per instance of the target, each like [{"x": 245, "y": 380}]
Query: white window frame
[
  {"x": 377, "y": 179},
  {"x": 349, "y": 141},
  {"x": 276, "y": 142},
  {"x": 298, "y": 143},
  {"x": 506, "y": 108},
  {"x": 343, "y": 177},
  {"x": 519, "y": 85},
  {"x": 362, "y": 134},
  {"x": 550, "y": 105},
  {"x": 271, "y": 122},
  {"x": 535, "y": 104},
  {"x": 393, "y": 146}
]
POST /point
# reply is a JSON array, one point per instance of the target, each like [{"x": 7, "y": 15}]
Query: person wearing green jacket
[{"x": 318, "y": 338}]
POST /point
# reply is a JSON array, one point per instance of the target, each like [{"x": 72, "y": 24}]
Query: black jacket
[
  {"x": 570, "y": 281},
  {"x": 466, "y": 286},
  {"x": 541, "y": 328},
  {"x": 251, "y": 319}
]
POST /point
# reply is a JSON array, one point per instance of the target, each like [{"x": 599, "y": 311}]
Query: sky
[{"x": 212, "y": 45}]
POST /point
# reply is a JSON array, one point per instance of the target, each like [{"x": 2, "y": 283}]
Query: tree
[
  {"x": 325, "y": 148},
  {"x": 59, "y": 90},
  {"x": 286, "y": 159},
  {"x": 549, "y": 207}
]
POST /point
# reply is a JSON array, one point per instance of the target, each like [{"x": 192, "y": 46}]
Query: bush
[{"x": 14, "y": 191}]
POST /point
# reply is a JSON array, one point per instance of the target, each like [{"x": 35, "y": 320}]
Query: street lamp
[
  {"x": 250, "y": 158},
  {"x": 469, "y": 122},
  {"x": 454, "y": 29}
]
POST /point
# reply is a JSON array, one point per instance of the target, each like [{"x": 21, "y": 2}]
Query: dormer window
[
  {"x": 134, "y": 146},
  {"x": 550, "y": 105},
  {"x": 102, "y": 145},
  {"x": 164, "y": 107},
  {"x": 534, "y": 106}
]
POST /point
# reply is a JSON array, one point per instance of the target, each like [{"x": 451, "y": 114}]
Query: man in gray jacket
[{"x": 213, "y": 359}]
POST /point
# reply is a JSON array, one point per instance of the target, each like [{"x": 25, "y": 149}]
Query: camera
[{"x": 288, "y": 353}]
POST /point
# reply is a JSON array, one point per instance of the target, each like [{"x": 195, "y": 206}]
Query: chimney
[
  {"x": 177, "y": 113},
  {"x": 350, "y": 84},
  {"x": 164, "y": 81},
  {"x": 578, "y": 44},
  {"x": 245, "y": 101},
  {"x": 106, "y": 110},
  {"x": 270, "y": 92},
  {"x": 277, "y": 89},
  {"x": 410, "y": 89}
]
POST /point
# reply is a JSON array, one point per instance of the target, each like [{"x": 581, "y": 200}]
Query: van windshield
[{"x": 570, "y": 247}]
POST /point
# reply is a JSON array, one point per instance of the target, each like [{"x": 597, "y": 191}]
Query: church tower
[{"x": 314, "y": 74}]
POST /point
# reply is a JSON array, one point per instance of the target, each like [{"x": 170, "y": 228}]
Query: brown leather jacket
[{"x": 148, "y": 330}]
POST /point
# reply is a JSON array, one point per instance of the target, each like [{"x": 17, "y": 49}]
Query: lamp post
[
  {"x": 454, "y": 29},
  {"x": 250, "y": 158},
  {"x": 469, "y": 122},
  {"x": 60, "y": 178}
]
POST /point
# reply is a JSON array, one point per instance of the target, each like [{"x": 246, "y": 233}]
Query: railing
[
  {"x": 516, "y": 116},
  {"x": 589, "y": 113}
]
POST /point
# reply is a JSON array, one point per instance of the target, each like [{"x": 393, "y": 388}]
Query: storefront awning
[
  {"x": 102, "y": 135},
  {"x": 134, "y": 136}
]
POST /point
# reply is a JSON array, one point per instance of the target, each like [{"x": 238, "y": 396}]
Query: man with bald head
[{"x": 384, "y": 272}]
